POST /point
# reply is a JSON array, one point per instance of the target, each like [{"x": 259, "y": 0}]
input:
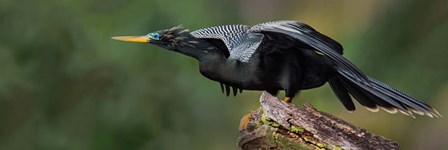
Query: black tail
[{"x": 375, "y": 94}]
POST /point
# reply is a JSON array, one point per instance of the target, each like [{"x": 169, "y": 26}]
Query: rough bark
[{"x": 280, "y": 125}]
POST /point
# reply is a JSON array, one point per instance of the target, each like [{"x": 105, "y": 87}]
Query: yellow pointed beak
[{"x": 139, "y": 39}]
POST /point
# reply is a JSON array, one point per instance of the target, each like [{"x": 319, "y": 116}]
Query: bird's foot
[
  {"x": 244, "y": 121},
  {"x": 287, "y": 99}
]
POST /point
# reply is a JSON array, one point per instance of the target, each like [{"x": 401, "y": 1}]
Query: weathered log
[{"x": 280, "y": 125}]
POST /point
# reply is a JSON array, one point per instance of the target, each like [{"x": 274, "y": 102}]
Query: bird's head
[{"x": 170, "y": 39}]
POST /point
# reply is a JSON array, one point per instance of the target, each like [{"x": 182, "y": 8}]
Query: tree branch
[{"x": 280, "y": 125}]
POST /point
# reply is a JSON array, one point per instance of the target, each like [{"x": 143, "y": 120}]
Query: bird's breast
[{"x": 244, "y": 75}]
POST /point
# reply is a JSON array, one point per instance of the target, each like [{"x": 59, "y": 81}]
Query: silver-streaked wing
[{"x": 240, "y": 43}]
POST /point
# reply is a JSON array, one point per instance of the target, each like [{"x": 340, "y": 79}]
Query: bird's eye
[{"x": 154, "y": 36}]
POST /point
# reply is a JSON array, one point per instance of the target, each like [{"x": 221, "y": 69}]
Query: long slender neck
[
  {"x": 197, "y": 48},
  {"x": 196, "y": 53}
]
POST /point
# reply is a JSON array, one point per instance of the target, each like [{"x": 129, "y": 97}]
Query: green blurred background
[{"x": 64, "y": 84}]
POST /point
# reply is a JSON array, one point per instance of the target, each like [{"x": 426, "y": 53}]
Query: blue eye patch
[{"x": 154, "y": 36}]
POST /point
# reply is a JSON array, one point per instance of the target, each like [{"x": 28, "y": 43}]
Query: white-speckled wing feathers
[{"x": 240, "y": 43}]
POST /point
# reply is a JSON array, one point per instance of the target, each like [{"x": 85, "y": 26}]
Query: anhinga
[{"x": 281, "y": 55}]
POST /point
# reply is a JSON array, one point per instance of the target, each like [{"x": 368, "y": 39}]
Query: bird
[{"x": 281, "y": 55}]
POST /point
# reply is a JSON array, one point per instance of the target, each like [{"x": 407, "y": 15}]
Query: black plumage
[{"x": 281, "y": 55}]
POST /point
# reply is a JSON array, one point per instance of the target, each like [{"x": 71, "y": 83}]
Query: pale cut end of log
[{"x": 280, "y": 125}]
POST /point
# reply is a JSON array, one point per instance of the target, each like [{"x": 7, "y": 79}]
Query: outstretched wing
[
  {"x": 307, "y": 35},
  {"x": 239, "y": 43}
]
